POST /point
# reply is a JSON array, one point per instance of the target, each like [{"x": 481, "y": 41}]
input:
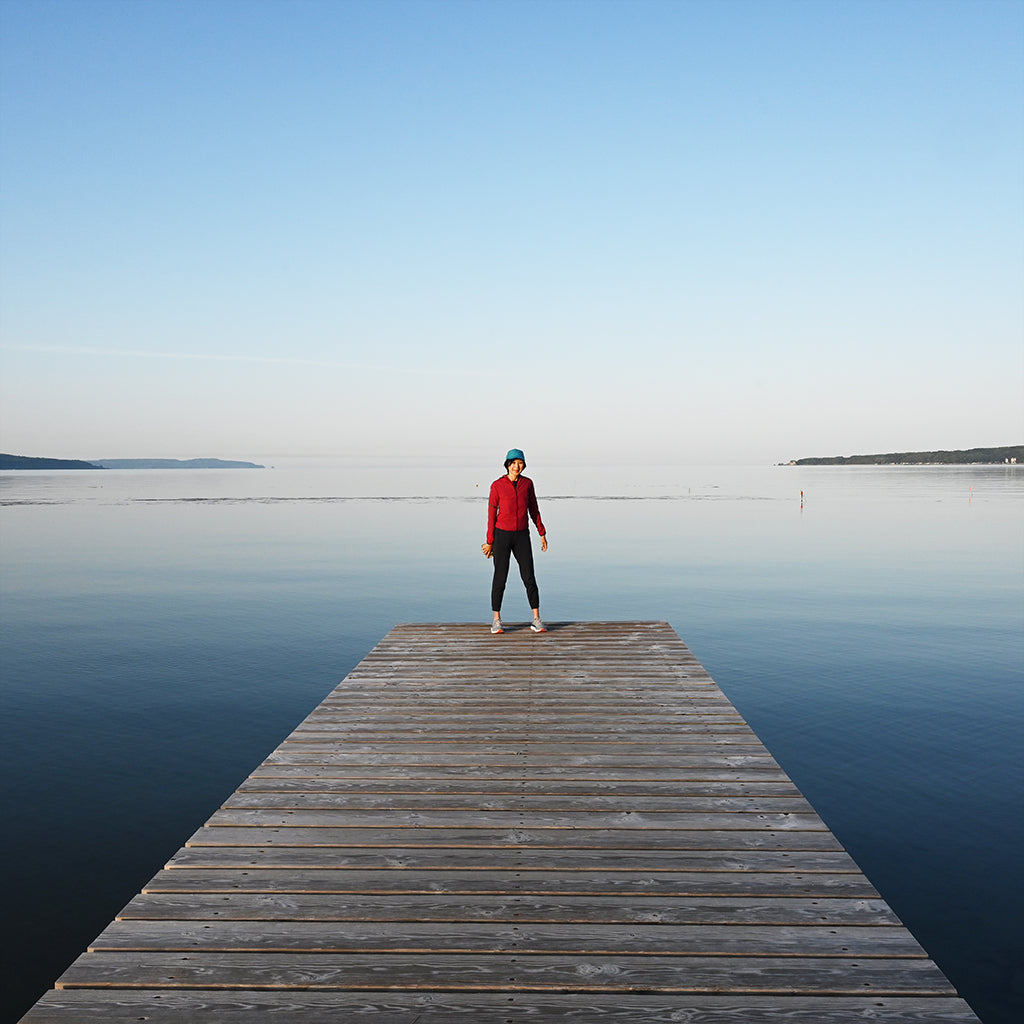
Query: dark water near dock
[{"x": 164, "y": 630}]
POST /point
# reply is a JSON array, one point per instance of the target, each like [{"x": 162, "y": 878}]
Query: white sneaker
[
  {"x": 538, "y": 627},
  {"x": 496, "y": 626}
]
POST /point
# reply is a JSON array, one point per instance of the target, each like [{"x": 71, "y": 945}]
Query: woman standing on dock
[{"x": 510, "y": 506}]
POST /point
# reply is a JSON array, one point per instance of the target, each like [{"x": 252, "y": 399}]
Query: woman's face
[{"x": 515, "y": 467}]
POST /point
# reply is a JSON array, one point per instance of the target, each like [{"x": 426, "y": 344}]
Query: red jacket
[{"x": 509, "y": 504}]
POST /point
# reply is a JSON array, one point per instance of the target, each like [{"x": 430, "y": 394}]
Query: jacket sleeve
[
  {"x": 535, "y": 511},
  {"x": 492, "y": 511}
]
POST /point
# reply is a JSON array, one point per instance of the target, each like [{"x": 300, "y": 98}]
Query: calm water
[{"x": 164, "y": 630}]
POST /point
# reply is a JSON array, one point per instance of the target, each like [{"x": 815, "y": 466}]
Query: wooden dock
[{"x": 574, "y": 826}]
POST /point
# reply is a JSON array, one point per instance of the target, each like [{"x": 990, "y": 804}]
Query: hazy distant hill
[
  {"x": 28, "y": 462},
  {"x": 174, "y": 464},
  {"x": 971, "y": 456}
]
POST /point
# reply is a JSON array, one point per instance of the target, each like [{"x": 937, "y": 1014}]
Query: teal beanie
[{"x": 514, "y": 453}]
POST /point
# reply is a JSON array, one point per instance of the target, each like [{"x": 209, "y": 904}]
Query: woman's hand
[
  {"x": 544, "y": 543},
  {"x": 486, "y": 549}
]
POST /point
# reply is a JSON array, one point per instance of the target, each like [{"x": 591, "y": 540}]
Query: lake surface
[{"x": 163, "y": 630}]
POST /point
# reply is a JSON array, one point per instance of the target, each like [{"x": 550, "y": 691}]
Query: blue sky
[{"x": 640, "y": 231}]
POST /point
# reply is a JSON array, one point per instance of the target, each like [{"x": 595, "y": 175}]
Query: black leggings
[{"x": 507, "y": 543}]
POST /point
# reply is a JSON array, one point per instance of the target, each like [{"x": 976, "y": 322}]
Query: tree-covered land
[
  {"x": 28, "y": 462},
  {"x": 965, "y": 456}
]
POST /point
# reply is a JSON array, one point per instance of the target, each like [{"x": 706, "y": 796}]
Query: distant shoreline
[
  {"x": 174, "y": 464},
  {"x": 1008, "y": 455},
  {"x": 30, "y": 462}
]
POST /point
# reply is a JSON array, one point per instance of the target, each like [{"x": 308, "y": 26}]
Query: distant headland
[
  {"x": 967, "y": 456},
  {"x": 173, "y": 464},
  {"x": 29, "y": 462}
]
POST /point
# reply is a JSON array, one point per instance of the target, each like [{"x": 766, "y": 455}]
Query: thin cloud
[{"x": 224, "y": 357}]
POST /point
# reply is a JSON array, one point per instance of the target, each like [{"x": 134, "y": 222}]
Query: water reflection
[{"x": 162, "y": 631}]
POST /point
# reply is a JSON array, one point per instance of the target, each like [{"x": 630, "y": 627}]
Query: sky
[{"x": 624, "y": 231}]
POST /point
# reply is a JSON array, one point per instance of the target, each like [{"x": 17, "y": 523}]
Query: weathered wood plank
[
  {"x": 580, "y": 859},
  {"x": 170, "y": 1006},
  {"x": 541, "y": 938},
  {"x": 198, "y": 906},
  {"x": 457, "y": 720},
  {"x": 569, "y": 789},
  {"x": 526, "y": 759},
  {"x": 527, "y": 800},
  {"x": 480, "y": 691},
  {"x": 382, "y": 838},
  {"x": 467, "y": 699},
  {"x": 659, "y": 883},
  {"x": 762, "y": 975},
  {"x": 702, "y": 743},
  {"x": 523, "y": 774},
  {"x": 425, "y": 818}
]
